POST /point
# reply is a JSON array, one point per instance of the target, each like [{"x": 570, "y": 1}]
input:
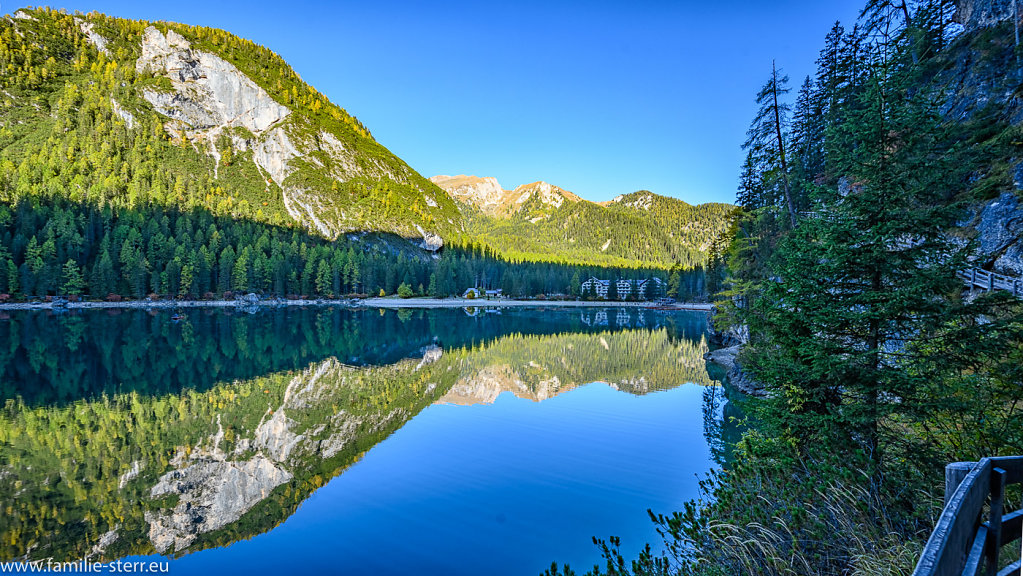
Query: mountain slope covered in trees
[
  {"x": 130, "y": 114},
  {"x": 543, "y": 221}
]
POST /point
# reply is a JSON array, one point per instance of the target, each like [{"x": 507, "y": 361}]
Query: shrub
[{"x": 404, "y": 291}]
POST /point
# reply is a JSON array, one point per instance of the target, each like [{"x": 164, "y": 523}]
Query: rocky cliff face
[
  {"x": 980, "y": 82},
  {"x": 484, "y": 193},
  {"x": 999, "y": 227},
  {"x": 210, "y": 98},
  {"x": 979, "y": 13},
  {"x": 486, "y": 385}
]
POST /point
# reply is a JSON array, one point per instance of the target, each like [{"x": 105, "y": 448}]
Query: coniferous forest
[{"x": 69, "y": 249}]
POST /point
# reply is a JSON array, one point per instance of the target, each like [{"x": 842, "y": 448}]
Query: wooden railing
[
  {"x": 975, "y": 277},
  {"x": 963, "y": 542}
]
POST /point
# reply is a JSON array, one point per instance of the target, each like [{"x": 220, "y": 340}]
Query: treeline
[
  {"x": 63, "y": 248},
  {"x": 878, "y": 368}
]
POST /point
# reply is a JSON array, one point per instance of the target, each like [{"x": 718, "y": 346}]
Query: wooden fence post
[
  {"x": 955, "y": 473},
  {"x": 994, "y": 534}
]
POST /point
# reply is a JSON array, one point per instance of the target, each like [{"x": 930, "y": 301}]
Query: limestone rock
[
  {"x": 724, "y": 356},
  {"x": 487, "y": 195},
  {"x": 131, "y": 474},
  {"x": 105, "y": 541},
  {"x": 431, "y": 354},
  {"x": 212, "y": 494},
  {"x": 275, "y": 438},
  {"x": 128, "y": 117},
  {"x": 484, "y": 193},
  {"x": 209, "y": 92},
  {"x": 999, "y": 226},
  {"x": 431, "y": 241},
  {"x": 210, "y": 97},
  {"x": 743, "y": 382},
  {"x": 97, "y": 40}
]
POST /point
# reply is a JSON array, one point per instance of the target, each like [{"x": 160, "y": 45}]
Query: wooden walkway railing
[
  {"x": 977, "y": 278},
  {"x": 963, "y": 541}
]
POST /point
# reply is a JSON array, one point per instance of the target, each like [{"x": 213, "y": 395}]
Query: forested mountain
[
  {"x": 542, "y": 221},
  {"x": 133, "y": 114},
  {"x": 141, "y": 158}
]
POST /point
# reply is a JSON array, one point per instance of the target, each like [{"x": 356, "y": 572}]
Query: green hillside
[
  {"x": 617, "y": 235},
  {"x": 131, "y": 114}
]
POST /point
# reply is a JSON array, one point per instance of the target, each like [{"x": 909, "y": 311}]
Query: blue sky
[{"x": 600, "y": 98}]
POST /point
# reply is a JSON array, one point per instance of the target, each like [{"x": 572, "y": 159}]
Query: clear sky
[{"x": 600, "y": 98}]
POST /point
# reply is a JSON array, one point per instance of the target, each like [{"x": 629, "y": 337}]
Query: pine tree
[
  {"x": 103, "y": 279},
  {"x": 74, "y": 282},
  {"x": 766, "y": 138}
]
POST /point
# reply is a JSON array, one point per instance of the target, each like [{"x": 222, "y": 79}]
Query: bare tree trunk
[
  {"x": 781, "y": 145},
  {"x": 905, "y": 12}
]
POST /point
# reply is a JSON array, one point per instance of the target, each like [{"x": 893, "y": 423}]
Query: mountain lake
[{"x": 351, "y": 440}]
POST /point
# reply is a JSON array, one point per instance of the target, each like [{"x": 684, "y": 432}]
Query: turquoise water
[{"x": 428, "y": 441}]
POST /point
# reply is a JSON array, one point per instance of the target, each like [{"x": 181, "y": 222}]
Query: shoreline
[
  {"x": 377, "y": 302},
  {"x": 388, "y": 302}
]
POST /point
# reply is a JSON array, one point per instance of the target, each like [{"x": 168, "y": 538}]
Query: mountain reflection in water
[{"x": 127, "y": 435}]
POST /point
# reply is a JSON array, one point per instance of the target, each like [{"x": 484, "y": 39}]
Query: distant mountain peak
[{"x": 486, "y": 194}]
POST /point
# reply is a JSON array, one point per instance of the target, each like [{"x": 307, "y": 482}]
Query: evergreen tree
[
  {"x": 855, "y": 288},
  {"x": 74, "y": 282},
  {"x": 766, "y": 138}
]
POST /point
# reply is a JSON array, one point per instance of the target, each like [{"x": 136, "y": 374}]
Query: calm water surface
[{"x": 350, "y": 441}]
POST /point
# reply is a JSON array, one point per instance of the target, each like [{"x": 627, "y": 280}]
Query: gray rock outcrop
[
  {"x": 430, "y": 241},
  {"x": 979, "y": 13},
  {"x": 94, "y": 37},
  {"x": 737, "y": 377},
  {"x": 999, "y": 226},
  {"x": 210, "y": 97},
  {"x": 743, "y": 382},
  {"x": 211, "y": 494},
  {"x": 209, "y": 92}
]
